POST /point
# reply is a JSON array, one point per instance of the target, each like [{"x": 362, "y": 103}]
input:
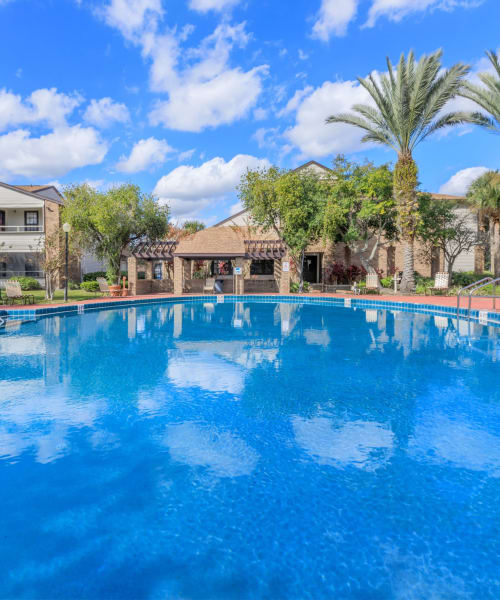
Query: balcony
[{"x": 21, "y": 229}]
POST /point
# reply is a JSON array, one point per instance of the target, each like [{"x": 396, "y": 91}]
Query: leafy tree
[
  {"x": 409, "y": 102},
  {"x": 106, "y": 223},
  {"x": 289, "y": 203},
  {"x": 193, "y": 226},
  {"x": 484, "y": 195},
  {"x": 487, "y": 96},
  {"x": 443, "y": 226},
  {"x": 361, "y": 211}
]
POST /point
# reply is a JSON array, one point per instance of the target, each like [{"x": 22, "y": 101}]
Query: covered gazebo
[{"x": 150, "y": 267}]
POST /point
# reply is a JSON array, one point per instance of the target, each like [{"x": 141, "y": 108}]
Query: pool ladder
[{"x": 474, "y": 287}]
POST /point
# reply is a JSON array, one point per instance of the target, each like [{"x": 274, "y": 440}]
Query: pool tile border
[{"x": 34, "y": 314}]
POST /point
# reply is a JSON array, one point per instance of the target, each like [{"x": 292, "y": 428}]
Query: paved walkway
[{"x": 477, "y": 303}]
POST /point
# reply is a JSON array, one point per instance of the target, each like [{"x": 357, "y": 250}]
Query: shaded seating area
[{"x": 150, "y": 268}]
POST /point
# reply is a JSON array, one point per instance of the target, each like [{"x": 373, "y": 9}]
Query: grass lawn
[{"x": 73, "y": 296}]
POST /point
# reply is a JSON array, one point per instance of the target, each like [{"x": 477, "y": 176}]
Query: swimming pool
[{"x": 249, "y": 450}]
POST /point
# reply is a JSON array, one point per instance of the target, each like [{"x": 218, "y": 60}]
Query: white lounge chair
[
  {"x": 209, "y": 287},
  {"x": 13, "y": 292},
  {"x": 103, "y": 286},
  {"x": 441, "y": 283},
  {"x": 372, "y": 283}
]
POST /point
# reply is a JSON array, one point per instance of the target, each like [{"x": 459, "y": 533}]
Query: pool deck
[{"x": 438, "y": 301}]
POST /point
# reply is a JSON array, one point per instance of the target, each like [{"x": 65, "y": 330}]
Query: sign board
[
  {"x": 285, "y": 266},
  {"x": 238, "y": 270}
]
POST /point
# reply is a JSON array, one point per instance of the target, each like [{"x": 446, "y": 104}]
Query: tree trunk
[
  {"x": 301, "y": 272},
  {"x": 408, "y": 280},
  {"x": 405, "y": 194},
  {"x": 113, "y": 271},
  {"x": 495, "y": 247}
]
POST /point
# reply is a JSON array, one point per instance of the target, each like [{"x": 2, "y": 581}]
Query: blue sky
[{"x": 181, "y": 96}]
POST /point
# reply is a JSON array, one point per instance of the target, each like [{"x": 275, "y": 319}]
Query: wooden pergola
[
  {"x": 155, "y": 250},
  {"x": 265, "y": 249}
]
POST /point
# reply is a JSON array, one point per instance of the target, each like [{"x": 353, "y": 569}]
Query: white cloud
[
  {"x": 207, "y": 93},
  {"x": 395, "y": 10},
  {"x": 294, "y": 101},
  {"x": 105, "y": 112},
  {"x": 303, "y": 55},
  {"x": 335, "y": 15},
  {"x": 260, "y": 114},
  {"x": 333, "y": 18},
  {"x": 53, "y": 154},
  {"x": 145, "y": 153},
  {"x": 188, "y": 190},
  {"x": 186, "y": 155},
  {"x": 206, "y": 5},
  {"x": 204, "y": 91},
  {"x": 311, "y": 134},
  {"x": 130, "y": 16},
  {"x": 43, "y": 106},
  {"x": 458, "y": 184}
]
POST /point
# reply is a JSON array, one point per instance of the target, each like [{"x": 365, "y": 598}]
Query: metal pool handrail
[{"x": 471, "y": 288}]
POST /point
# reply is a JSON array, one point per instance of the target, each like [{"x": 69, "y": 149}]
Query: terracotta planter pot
[{"x": 115, "y": 290}]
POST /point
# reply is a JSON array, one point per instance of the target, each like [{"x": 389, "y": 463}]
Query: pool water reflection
[{"x": 250, "y": 450}]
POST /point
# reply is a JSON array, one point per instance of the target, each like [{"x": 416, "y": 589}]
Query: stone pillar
[
  {"x": 178, "y": 275},
  {"x": 285, "y": 275},
  {"x": 132, "y": 275}
]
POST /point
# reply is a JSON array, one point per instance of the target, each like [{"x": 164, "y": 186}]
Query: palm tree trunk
[
  {"x": 405, "y": 195},
  {"x": 495, "y": 248},
  {"x": 408, "y": 280}
]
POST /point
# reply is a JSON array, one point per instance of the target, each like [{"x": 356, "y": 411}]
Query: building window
[
  {"x": 262, "y": 267},
  {"x": 31, "y": 220},
  {"x": 157, "y": 271},
  {"x": 3, "y": 270},
  {"x": 221, "y": 267},
  {"x": 2, "y": 220}
]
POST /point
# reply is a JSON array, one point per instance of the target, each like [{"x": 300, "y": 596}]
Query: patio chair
[
  {"x": 372, "y": 283},
  {"x": 13, "y": 292},
  {"x": 103, "y": 286},
  {"x": 209, "y": 287},
  {"x": 441, "y": 283}
]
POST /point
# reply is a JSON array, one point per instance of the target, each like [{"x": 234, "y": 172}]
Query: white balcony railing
[{"x": 21, "y": 228}]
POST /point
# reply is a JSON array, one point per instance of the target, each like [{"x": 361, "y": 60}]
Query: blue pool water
[{"x": 249, "y": 450}]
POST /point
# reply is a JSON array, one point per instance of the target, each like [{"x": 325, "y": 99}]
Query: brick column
[
  {"x": 178, "y": 275},
  {"x": 284, "y": 275},
  {"x": 149, "y": 270},
  {"x": 132, "y": 275}
]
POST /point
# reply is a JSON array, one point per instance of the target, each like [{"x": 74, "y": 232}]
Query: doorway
[{"x": 311, "y": 268}]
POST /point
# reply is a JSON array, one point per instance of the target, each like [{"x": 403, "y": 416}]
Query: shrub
[
  {"x": 27, "y": 283},
  {"x": 387, "y": 282},
  {"x": 89, "y": 286},
  {"x": 73, "y": 285},
  {"x": 467, "y": 277},
  {"x": 294, "y": 287},
  {"x": 343, "y": 275},
  {"x": 93, "y": 276}
]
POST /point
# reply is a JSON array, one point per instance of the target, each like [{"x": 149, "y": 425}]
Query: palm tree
[
  {"x": 487, "y": 95},
  {"x": 484, "y": 194},
  {"x": 409, "y": 103}
]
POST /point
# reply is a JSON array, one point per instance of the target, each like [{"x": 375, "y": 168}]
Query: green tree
[
  {"x": 289, "y": 203},
  {"x": 445, "y": 226},
  {"x": 487, "y": 96},
  {"x": 360, "y": 211},
  {"x": 193, "y": 226},
  {"x": 484, "y": 195},
  {"x": 409, "y": 103},
  {"x": 106, "y": 223}
]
